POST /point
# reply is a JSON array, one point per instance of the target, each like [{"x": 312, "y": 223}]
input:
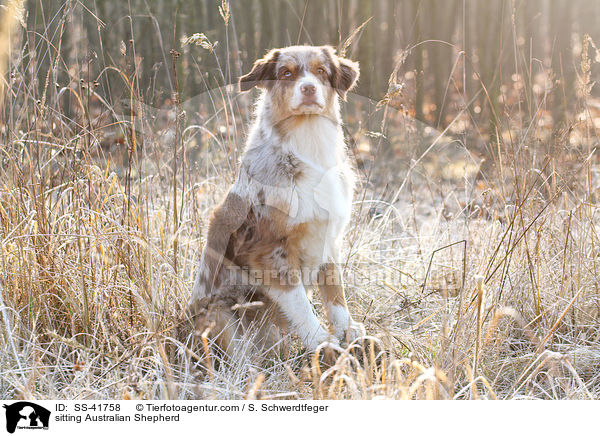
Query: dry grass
[{"x": 473, "y": 283}]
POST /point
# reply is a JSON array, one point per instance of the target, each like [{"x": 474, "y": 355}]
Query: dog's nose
[{"x": 308, "y": 89}]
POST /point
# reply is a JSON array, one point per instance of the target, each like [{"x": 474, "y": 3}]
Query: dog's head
[{"x": 302, "y": 79}]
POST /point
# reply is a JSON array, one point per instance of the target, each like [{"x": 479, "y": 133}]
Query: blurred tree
[{"x": 501, "y": 38}]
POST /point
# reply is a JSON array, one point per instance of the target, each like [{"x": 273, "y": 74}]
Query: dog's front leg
[
  {"x": 298, "y": 310},
  {"x": 332, "y": 292}
]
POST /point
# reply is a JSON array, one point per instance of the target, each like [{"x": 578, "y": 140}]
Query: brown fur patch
[
  {"x": 267, "y": 249},
  {"x": 288, "y": 125},
  {"x": 263, "y": 73},
  {"x": 225, "y": 220},
  {"x": 330, "y": 283},
  {"x": 344, "y": 72},
  {"x": 225, "y": 318}
]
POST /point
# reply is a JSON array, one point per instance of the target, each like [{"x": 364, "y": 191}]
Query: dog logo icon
[{"x": 26, "y": 415}]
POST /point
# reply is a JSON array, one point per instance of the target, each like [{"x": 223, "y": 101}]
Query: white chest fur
[{"x": 323, "y": 188}]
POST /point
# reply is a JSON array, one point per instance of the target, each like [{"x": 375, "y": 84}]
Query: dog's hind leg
[{"x": 225, "y": 220}]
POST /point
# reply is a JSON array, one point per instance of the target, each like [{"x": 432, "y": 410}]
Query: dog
[{"x": 279, "y": 228}]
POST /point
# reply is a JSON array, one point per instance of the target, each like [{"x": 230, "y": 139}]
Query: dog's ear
[
  {"x": 346, "y": 77},
  {"x": 263, "y": 73},
  {"x": 344, "y": 72}
]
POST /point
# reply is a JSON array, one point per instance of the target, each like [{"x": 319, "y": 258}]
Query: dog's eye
[
  {"x": 286, "y": 73},
  {"x": 320, "y": 70}
]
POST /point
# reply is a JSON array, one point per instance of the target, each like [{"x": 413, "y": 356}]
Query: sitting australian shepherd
[{"x": 279, "y": 228}]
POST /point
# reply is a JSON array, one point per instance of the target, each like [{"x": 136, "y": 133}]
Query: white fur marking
[
  {"x": 299, "y": 312},
  {"x": 344, "y": 327},
  {"x": 298, "y": 97},
  {"x": 324, "y": 190},
  {"x": 339, "y": 318}
]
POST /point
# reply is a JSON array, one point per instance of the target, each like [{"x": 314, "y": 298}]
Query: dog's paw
[
  {"x": 322, "y": 338},
  {"x": 355, "y": 330},
  {"x": 328, "y": 352}
]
